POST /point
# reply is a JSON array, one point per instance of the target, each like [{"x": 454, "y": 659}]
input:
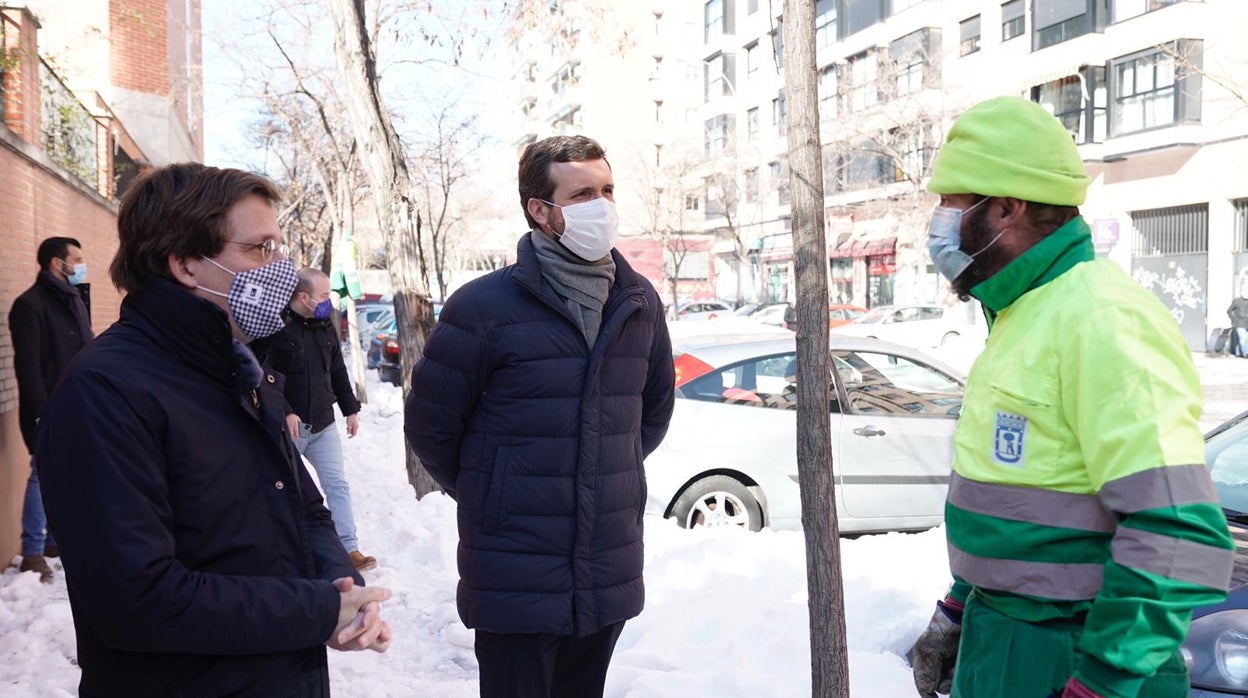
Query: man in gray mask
[{"x": 541, "y": 389}]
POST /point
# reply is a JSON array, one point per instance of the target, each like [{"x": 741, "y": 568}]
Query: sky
[{"x": 726, "y": 610}]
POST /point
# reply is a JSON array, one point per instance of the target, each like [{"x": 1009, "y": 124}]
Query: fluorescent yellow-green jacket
[{"x": 1079, "y": 481}]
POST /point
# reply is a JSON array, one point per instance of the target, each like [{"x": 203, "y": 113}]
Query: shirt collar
[{"x": 1048, "y": 259}]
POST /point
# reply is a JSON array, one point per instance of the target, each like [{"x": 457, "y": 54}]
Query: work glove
[
  {"x": 1075, "y": 689},
  {"x": 935, "y": 653}
]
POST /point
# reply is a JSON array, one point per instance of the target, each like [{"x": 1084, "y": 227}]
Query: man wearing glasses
[{"x": 198, "y": 556}]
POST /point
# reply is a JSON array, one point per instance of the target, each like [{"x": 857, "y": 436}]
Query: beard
[{"x": 977, "y": 232}]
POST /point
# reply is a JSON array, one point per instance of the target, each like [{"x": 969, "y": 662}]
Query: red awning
[{"x": 875, "y": 247}]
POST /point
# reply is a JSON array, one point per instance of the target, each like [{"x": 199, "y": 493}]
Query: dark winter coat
[
  {"x": 196, "y": 549},
  {"x": 46, "y": 335},
  {"x": 1238, "y": 312},
  {"x": 540, "y": 440},
  {"x": 308, "y": 353}
]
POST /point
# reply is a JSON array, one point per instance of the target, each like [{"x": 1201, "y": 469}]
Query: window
[
  {"x": 692, "y": 202},
  {"x": 910, "y": 64},
  {"x": 780, "y": 115},
  {"x": 889, "y": 384},
  {"x": 829, "y": 92},
  {"x": 969, "y": 29},
  {"x": 1060, "y": 20},
  {"x": 751, "y": 123},
  {"x": 768, "y": 382},
  {"x": 717, "y": 129},
  {"x": 751, "y": 184},
  {"x": 867, "y": 166},
  {"x": 780, "y": 180},
  {"x": 860, "y": 14},
  {"x": 831, "y": 153},
  {"x": 751, "y": 6},
  {"x": 753, "y": 56},
  {"x": 719, "y": 76},
  {"x": 1066, "y": 99},
  {"x": 1013, "y": 19},
  {"x": 1126, "y": 9},
  {"x": 914, "y": 148},
  {"x": 863, "y": 92},
  {"x": 1149, "y": 91},
  {"x": 1171, "y": 231},
  {"x": 825, "y": 27},
  {"x": 777, "y": 43},
  {"x": 713, "y": 15}
]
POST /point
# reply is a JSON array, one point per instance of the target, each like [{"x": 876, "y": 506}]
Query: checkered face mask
[{"x": 257, "y": 296}]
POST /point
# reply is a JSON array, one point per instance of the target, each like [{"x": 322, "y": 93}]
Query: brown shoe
[
  {"x": 361, "y": 561},
  {"x": 51, "y": 551},
  {"x": 36, "y": 563}
]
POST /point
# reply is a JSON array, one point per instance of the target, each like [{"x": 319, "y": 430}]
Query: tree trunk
[
  {"x": 384, "y": 162},
  {"x": 829, "y": 657}
]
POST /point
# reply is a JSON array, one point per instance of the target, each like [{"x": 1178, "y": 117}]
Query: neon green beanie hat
[{"x": 1010, "y": 147}]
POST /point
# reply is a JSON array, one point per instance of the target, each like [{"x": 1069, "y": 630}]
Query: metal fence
[
  {"x": 68, "y": 128},
  {"x": 1177, "y": 230}
]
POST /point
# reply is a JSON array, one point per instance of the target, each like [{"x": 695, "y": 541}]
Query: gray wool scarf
[{"x": 582, "y": 285}]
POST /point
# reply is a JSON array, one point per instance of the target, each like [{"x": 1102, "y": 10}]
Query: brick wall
[
  {"x": 139, "y": 45},
  {"x": 37, "y": 202}
]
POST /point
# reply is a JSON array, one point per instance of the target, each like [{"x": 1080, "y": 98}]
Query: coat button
[
  {"x": 280, "y": 485},
  {"x": 271, "y": 378}
]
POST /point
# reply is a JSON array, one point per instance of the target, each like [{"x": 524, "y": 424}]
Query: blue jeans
[
  {"x": 1241, "y": 346},
  {"x": 34, "y": 521},
  {"x": 324, "y": 451}
]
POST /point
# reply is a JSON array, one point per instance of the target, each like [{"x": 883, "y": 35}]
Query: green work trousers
[{"x": 1000, "y": 657}]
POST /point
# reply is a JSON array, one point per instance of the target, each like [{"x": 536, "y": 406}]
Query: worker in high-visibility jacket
[{"x": 1082, "y": 522}]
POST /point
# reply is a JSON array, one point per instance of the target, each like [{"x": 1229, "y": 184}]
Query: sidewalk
[{"x": 1224, "y": 380}]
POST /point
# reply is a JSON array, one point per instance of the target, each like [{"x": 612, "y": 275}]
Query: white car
[
  {"x": 920, "y": 326},
  {"x": 729, "y": 458},
  {"x": 703, "y": 310},
  {"x": 730, "y": 453}
]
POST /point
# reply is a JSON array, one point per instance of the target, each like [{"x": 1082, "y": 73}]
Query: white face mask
[{"x": 589, "y": 227}]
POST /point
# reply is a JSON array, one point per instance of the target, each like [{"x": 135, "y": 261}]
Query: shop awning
[
  {"x": 874, "y": 247},
  {"x": 841, "y": 247}
]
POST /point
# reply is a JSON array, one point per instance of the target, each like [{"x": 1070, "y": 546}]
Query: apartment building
[
  {"x": 1153, "y": 92},
  {"x": 629, "y": 76}
]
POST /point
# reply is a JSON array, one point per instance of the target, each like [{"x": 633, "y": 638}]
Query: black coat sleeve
[
  {"x": 28, "y": 356},
  {"x": 445, "y": 385},
  {"x": 659, "y": 394},
  {"x": 102, "y": 467}
]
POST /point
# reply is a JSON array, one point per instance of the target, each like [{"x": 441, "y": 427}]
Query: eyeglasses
[{"x": 267, "y": 248}]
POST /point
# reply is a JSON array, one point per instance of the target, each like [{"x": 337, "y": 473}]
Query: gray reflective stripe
[
  {"x": 1030, "y": 504},
  {"x": 1173, "y": 558},
  {"x": 1168, "y": 486},
  {"x": 1050, "y": 580},
  {"x": 889, "y": 479}
]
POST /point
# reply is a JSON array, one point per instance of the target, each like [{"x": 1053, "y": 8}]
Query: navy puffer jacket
[{"x": 540, "y": 440}]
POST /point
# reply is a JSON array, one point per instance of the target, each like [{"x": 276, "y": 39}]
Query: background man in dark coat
[
  {"x": 541, "y": 389},
  {"x": 307, "y": 352},
  {"x": 50, "y": 323},
  {"x": 1238, "y": 314},
  {"x": 198, "y": 556}
]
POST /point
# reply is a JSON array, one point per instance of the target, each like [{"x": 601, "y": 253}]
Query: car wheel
[
  {"x": 718, "y": 500},
  {"x": 949, "y": 336}
]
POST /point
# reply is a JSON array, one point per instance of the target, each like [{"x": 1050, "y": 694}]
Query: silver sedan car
[{"x": 730, "y": 459}]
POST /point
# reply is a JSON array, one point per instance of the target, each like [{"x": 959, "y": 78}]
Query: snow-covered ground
[{"x": 725, "y": 613}]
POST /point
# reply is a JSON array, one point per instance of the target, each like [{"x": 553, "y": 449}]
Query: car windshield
[
  {"x": 875, "y": 316},
  {"x": 747, "y": 309},
  {"x": 1226, "y": 452}
]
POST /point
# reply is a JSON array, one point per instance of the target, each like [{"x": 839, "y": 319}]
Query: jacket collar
[
  {"x": 1046, "y": 260},
  {"x": 51, "y": 281},
  {"x": 194, "y": 330}
]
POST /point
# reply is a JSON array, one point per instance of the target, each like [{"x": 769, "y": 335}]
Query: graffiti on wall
[{"x": 1180, "y": 291}]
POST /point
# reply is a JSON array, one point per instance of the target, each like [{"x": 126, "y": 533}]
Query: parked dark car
[
  {"x": 1216, "y": 650},
  {"x": 385, "y": 354}
]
